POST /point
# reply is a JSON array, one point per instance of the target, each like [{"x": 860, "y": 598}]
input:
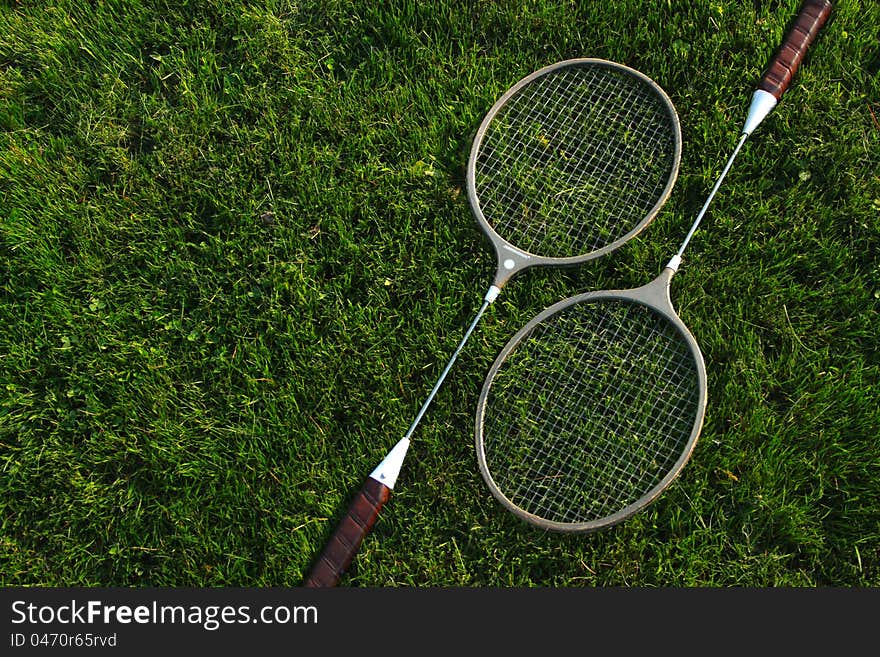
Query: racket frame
[
  {"x": 655, "y": 296},
  {"x": 511, "y": 259}
]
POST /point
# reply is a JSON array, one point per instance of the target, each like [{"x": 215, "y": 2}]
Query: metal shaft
[
  {"x": 448, "y": 367},
  {"x": 711, "y": 196}
]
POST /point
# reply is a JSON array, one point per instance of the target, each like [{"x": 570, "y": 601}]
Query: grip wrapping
[
  {"x": 803, "y": 32},
  {"x": 346, "y": 540}
]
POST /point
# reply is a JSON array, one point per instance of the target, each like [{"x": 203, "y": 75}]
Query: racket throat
[
  {"x": 656, "y": 293},
  {"x": 510, "y": 262}
]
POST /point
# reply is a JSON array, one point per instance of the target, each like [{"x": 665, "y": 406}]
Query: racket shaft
[
  {"x": 346, "y": 540},
  {"x": 364, "y": 510},
  {"x": 806, "y": 26}
]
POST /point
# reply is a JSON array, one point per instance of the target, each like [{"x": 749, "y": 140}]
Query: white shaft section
[
  {"x": 762, "y": 103},
  {"x": 386, "y": 472},
  {"x": 675, "y": 263}
]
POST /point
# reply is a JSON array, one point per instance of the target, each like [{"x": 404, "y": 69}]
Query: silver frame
[
  {"x": 654, "y": 295},
  {"x": 520, "y": 259}
]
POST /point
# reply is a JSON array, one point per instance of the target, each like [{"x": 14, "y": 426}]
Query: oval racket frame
[
  {"x": 653, "y": 298},
  {"x": 639, "y": 95}
]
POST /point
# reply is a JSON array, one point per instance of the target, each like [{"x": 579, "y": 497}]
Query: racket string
[
  {"x": 603, "y": 424},
  {"x": 587, "y": 139}
]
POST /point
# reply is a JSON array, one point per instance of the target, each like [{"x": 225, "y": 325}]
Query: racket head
[
  {"x": 592, "y": 409},
  {"x": 571, "y": 162}
]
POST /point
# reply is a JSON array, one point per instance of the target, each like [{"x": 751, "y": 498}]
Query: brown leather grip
[
  {"x": 803, "y": 32},
  {"x": 346, "y": 540}
]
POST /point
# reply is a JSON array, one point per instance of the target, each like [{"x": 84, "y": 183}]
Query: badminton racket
[
  {"x": 569, "y": 164},
  {"x": 593, "y": 408}
]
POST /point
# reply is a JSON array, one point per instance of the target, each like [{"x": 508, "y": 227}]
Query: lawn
[{"x": 236, "y": 252}]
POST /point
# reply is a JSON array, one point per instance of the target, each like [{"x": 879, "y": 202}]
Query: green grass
[{"x": 236, "y": 252}]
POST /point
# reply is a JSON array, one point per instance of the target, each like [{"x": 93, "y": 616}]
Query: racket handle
[
  {"x": 346, "y": 540},
  {"x": 803, "y": 32}
]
